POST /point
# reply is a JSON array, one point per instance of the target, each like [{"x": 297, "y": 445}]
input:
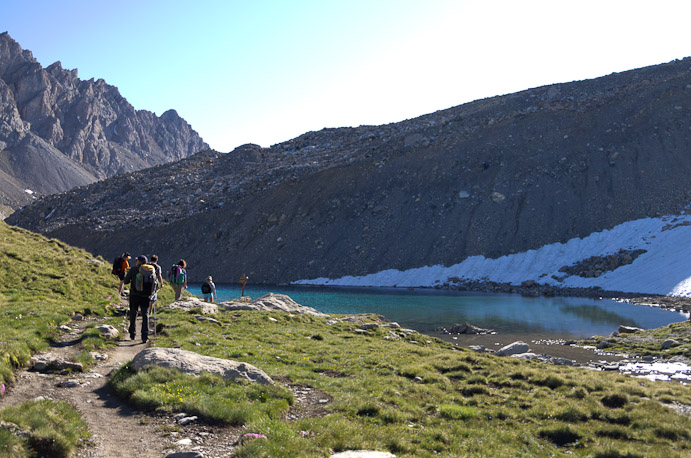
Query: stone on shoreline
[
  {"x": 207, "y": 308},
  {"x": 513, "y": 349},
  {"x": 272, "y": 302}
]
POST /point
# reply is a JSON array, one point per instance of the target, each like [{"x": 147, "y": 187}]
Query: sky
[{"x": 266, "y": 71}]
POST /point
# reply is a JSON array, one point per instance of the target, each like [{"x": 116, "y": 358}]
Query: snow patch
[{"x": 664, "y": 268}]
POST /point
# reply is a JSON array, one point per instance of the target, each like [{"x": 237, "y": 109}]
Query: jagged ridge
[{"x": 58, "y": 132}]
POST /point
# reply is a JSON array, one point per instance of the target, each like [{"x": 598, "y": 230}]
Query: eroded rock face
[
  {"x": 491, "y": 177},
  {"x": 194, "y": 363},
  {"x": 58, "y": 132}
]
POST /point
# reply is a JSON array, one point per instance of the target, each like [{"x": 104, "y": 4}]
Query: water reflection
[{"x": 426, "y": 310}]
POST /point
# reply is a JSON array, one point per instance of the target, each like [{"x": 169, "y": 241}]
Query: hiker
[
  {"x": 120, "y": 266},
  {"x": 159, "y": 278},
  {"x": 142, "y": 280},
  {"x": 209, "y": 289},
  {"x": 178, "y": 278}
]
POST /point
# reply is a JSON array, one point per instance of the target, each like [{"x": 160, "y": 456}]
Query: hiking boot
[
  {"x": 132, "y": 337},
  {"x": 145, "y": 339}
]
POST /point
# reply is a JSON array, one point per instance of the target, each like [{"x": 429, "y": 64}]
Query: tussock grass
[
  {"x": 52, "y": 429},
  {"x": 414, "y": 396}
]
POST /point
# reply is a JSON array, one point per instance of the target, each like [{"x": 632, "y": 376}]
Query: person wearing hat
[
  {"x": 209, "y": 289},
  {"x": 139, "y": 301}
]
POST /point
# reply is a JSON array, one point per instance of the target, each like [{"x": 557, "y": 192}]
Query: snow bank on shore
[{"x": 664, "y": 269}]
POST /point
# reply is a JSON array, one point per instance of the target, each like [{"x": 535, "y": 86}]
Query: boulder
[
  {"x": 513, "y": 349},
  {"x": 193, "y": 303},
  {"x": 669, "y": 343},
  {"x": 185, "y": 455},
  {"x": 107, "y": 331},
  {"x": 49, "y": 361},
  {"x": 194, "y": 363},
  {"x": 272, "y": 302},
  {"x": 467, "y": 328},
  {"x": 628, "y": 329}
]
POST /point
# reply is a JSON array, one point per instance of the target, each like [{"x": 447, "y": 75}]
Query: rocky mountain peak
[{"x": 49, "y": 114}]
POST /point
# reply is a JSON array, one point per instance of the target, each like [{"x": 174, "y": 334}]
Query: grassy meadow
[
  {"x": 409, "y": 394},
  {"x": 44, "y": 283}
]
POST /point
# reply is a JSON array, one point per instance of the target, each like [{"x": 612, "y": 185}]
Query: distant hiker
[
  {"x": 143, "y": 285},
  {"x": 159, "y": 278},
  {"x": 120, "y": 266},
  {"x": 178, "y": 278},
  {"x": 243, "y": 282},
  {"x": 209, "y": 289}
]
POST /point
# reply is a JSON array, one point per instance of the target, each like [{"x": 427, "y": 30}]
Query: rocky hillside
[
  {"x": 491, "y": 177},
  {"x": 58, "y": 132}
]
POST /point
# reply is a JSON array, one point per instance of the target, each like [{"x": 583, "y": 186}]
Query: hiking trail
[{"x": 116, "y": 429}]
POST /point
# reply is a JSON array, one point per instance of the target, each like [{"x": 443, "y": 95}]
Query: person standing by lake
[
  {"x": 178, "y": 278},
  {"x": 209, "y": 289}
]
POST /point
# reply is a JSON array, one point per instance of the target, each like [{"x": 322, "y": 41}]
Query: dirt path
[{"x": 116, "y": 429}]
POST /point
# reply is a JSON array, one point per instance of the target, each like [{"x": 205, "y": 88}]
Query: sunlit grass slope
[{"x": 414, "y": 396}]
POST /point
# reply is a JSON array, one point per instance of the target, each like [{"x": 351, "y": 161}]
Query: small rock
[
  {"x": 185, "y": 455},
  {"x": 65, "y": 328},
  {"x": 513, "y": 349},
  {"x": 185, "y": 441},
  {"x": 669, "y": 343},
  {"x": 72, "y": 383},
  {"x": 187, "y": 420},
  {"x": 367, "y": 326},
  {"x": 628, "y": 329},
  {"x": 107, "y": 331},
  {"x": 603, "y": 344},
  {"x": 77, "y": 317}
]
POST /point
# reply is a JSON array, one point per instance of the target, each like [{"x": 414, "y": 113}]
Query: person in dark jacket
[{"x": 138, "y": 302}]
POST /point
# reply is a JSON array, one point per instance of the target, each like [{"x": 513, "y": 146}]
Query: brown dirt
[{"x": 119, "y": 430}]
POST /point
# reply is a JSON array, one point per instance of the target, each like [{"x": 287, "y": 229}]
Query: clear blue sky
[{"x": 266, "y": 71}]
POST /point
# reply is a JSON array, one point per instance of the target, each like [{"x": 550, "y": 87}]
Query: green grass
[
  {"x": 52, "y": 429},
  {"x": 648, "y": 342},
  {"x": 415, "y": 397},
  {"x": 45, "y": 282}
]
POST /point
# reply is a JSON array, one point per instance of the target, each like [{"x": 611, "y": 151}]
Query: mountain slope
[
  {"x": 58, "y": 132},
  {"x": 492, "y": 177}
]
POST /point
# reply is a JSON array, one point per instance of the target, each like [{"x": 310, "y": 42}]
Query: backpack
[
  {"x": 177, "y": 275},
  {"x": 206, "y": 288},
  {"x": 117, "y": 266},
  {"x": 145, "y": 281}
]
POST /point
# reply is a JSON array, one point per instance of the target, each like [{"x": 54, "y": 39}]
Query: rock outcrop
[
  {"x": 58, "y": 132},
  {"x": 491, "y": 177},
  {"x": 194, "y": 363},
  {"x": 272, "y": 302}
]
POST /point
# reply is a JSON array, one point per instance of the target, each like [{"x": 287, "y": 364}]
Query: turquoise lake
[{"x": 426, "y": 309}]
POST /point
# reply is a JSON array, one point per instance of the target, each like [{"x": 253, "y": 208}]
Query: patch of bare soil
[{"x": 117, "y": 430}]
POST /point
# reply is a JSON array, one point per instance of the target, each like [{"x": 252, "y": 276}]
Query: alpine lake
[{"x": 545, "y": 323}]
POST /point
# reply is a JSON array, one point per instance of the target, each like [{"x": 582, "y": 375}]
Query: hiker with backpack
[
  {"x": 209, "y": 289},
  {"x": 177, "y": 276},
  {"x": 159, "y": 278},
  {"x": 120, "y": 266},
  {"x": 143, "y": 285}
]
